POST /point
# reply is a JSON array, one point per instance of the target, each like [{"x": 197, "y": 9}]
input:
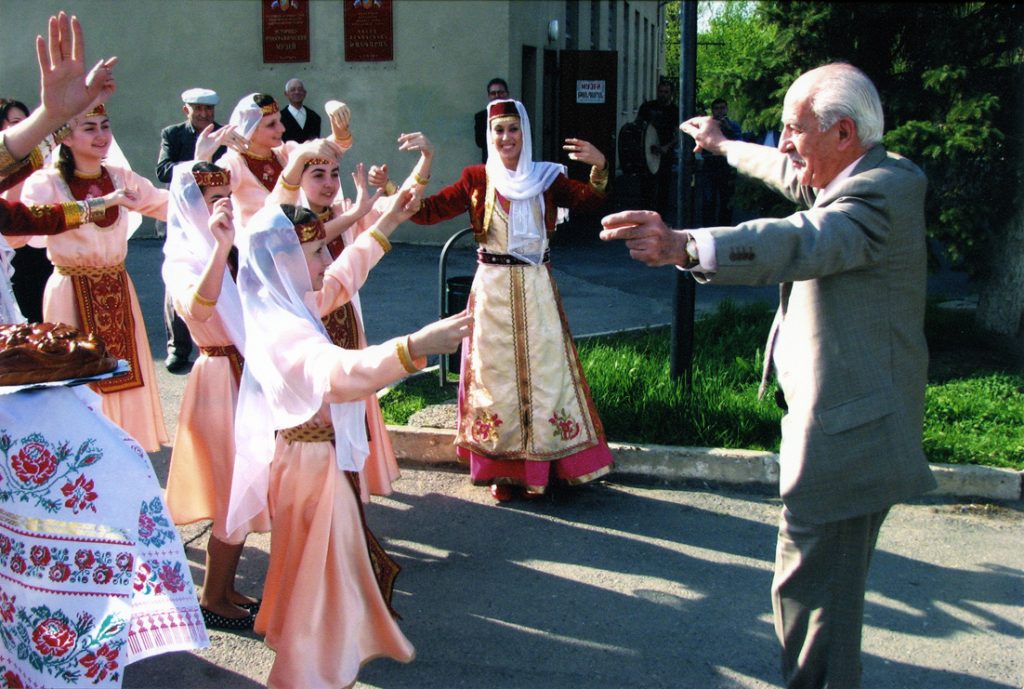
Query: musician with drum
[{"x": 663, "y": 115}]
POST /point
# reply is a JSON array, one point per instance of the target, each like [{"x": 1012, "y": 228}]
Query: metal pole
[{"x": 684, "y": 296}]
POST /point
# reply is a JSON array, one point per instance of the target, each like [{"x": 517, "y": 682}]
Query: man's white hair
[{"x": 840, "y": 90}]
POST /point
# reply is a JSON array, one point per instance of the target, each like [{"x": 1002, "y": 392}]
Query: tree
[{"x": 950, "y": 76}]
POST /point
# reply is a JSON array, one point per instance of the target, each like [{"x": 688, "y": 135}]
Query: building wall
[{"x": 445, "y": 52}]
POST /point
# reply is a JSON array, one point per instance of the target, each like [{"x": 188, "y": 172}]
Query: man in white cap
[{"x": 177, "y": 144}]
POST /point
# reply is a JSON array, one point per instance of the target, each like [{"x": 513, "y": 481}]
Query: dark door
[{"x": 587, "y": 98}]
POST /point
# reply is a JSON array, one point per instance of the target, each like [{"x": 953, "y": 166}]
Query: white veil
[
  {"x": 524, "y": 187},
  {"x": 283, "y": 385},
  {"x": 188, "y": 248}
]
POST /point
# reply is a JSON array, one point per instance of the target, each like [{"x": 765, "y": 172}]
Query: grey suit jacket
[{"x": 849, "y": 349}]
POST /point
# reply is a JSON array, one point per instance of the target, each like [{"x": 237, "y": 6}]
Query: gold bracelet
[
  {"x": 422, "y": 181},
  {"x": 379, "y": 237},
  {"x": 598, "y": 174},
  {"x": 203, "y": 301},
  {"x": 343, "y": 141},
  {"x": 286, "y": 186},
  {"x": 390, "y": 188},
  {"x": 402, "y": 348}
]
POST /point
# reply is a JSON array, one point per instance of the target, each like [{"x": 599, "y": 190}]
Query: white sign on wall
[{"x": 590, "y": 91}]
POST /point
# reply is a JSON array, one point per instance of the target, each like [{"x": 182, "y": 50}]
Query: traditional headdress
[
  {"x": 100, "y": 109},
  {"x": 310, "y": 231},
  {"x": 247, "y": 114},
  {"x": 273, "y": 281},
  {"x": 319, "y": 161},
  {"x": 502, "y": 110},
  {"x": 524, "y": 186},
  {"x": 189, "y": 246},
  {"x": 214, "y": 178}
]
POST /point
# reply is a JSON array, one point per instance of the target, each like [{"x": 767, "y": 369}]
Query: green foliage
[
  {"x": 638, "y": 401},
  {"x": 947, "y": 74}
]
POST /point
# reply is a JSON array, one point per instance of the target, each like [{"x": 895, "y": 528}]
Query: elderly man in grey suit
[{"x": 847, "y": 345}]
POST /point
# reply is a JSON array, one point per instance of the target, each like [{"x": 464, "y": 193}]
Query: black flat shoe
[
  {"x": 253, "y": 607},
  {"x": 214, "y": 621}
]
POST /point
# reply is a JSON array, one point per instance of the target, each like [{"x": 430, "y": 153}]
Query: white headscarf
[
  {"x": 524, "y": 187},
  {"x": 281, "y": 386},
  {"x": 188, "y": 248},
  {"x": 246, "y": 116}
]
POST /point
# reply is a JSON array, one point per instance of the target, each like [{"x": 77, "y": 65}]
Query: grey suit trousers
[{"x": 818, "y": 598}]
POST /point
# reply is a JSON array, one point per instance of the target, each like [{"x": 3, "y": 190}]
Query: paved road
[
  {"x": 646, "y": 587},
  {"x": 620, "y": 585}
]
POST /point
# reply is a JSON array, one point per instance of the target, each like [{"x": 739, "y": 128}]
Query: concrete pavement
[{"x": 644, "y": 581}]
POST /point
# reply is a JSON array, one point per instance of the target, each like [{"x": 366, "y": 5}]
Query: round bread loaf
[{"x": 45, "y": 352}]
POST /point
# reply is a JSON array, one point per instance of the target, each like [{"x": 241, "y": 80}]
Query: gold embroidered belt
[
  {"x": 308, "y": 434},
  {"x": 104, "y": 303},
  {"x": 233, "y": 355},
  {"x": 506, "y": 259}
]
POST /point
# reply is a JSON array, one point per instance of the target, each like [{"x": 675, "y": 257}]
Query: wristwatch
[{"x": 692, "y": 259}]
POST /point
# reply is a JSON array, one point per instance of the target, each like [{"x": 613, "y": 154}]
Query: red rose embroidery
[
  {"x": 12, "y": 680},
  {"x": 565, "y": 425},
  {"x": 171, "y": 579},
  {"x": 84, "y": 559},
  {"x": 79, "y": 495},
  {"x": 60, "y": 572},
  {"x": 98, "y": 664},
  {"x": 40, "y": 555},
  {"x": 147, "y": 527},
  {"x": 18, "y": 564},
  {"x": 34, "y": 464},
  {"x": 103, "y": 575},
  {"x": 53, "y": 637},
  {"x": 125, "y": 561},
  {"x": 7, "y": 608},
  {"x": 485, "y": 427},
  {"x": 5, "y": 545}
]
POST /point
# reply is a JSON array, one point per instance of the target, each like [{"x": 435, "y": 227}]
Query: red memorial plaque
[
  {"x": 285, "y": 30},
  {"x": 369, "y": 34}
]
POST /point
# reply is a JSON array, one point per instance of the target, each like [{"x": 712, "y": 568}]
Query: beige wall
[{"x": 445, "y": 52}]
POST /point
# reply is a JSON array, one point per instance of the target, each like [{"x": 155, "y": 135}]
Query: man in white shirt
[{"x": 300, "y": 123}]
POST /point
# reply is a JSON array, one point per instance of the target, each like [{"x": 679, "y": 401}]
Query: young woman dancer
[
  {"x": 199, "y": 267},
  {"x": 301, "y": 408},
  {"x": 90, "y": 288}
]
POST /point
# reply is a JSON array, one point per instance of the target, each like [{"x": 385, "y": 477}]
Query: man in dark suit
[
  {"x": 496, "y": 89},
  {"x": 300, "y": 123},
  {"x": 847, "y": 345},
  {"x": 177, "y": 144}
]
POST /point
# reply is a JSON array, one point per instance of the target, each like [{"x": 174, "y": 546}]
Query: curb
[{"x": 433, "y": 447}]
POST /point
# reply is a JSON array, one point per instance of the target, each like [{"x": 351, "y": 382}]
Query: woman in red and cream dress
[
  {"x": 90, "y": 288},
  {"x": 525, "y": 417}
]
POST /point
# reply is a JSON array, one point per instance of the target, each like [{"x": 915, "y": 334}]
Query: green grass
[{"x": 974, "y": 410}]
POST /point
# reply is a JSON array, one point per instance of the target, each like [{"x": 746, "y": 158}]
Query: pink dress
[
  {"x": 199, "y": 478},
  {"x": 323, "y": 610},
  {"x": 381, "y": 469},
  {"x": 137, "y": 409}
]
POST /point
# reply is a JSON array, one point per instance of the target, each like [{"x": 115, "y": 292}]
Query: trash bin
[{"x": 456, "y": 299}]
